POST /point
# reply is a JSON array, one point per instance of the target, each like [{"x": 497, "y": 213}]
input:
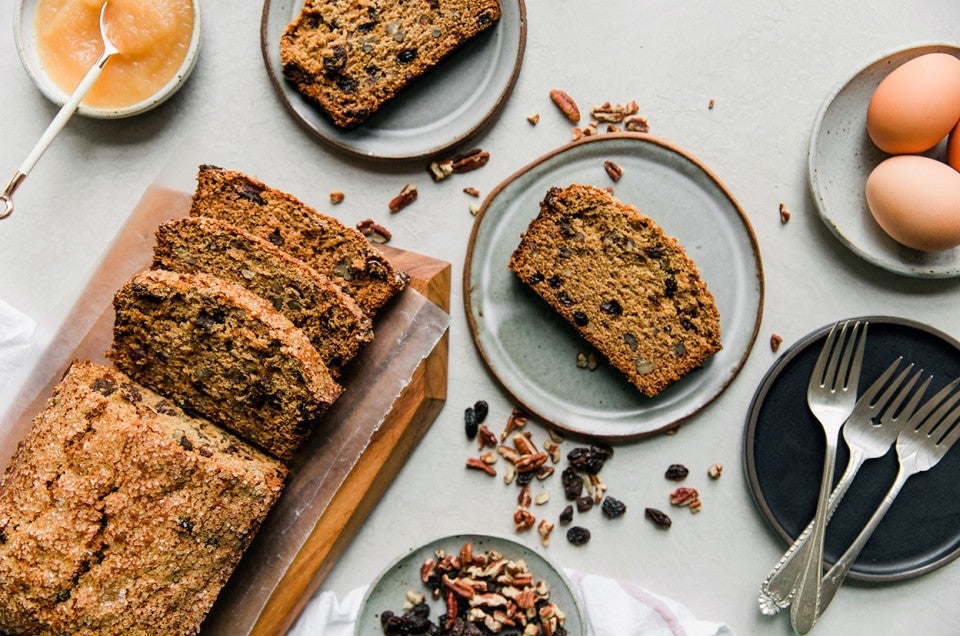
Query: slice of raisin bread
[
  {"x": 335, "y": 324},
  {"x": 341, "y": 253},
  {"x": 352, "y": 56},
  {"x": 223, "y": 352},
  {"x": 629, "y": 289},
  {"x": 119, "y": 514}
]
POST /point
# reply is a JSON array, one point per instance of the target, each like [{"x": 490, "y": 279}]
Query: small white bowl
[{"x": 25, "y": 36}]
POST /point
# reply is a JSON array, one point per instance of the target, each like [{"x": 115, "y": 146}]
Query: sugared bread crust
[
  {"x": 352, "y": 56},
  {"x": 119, "y": 514},
  {"x": 338, "y": 252},
  {"x": 223, "y": 352},
  {"x": 629, "y": 289},
  {"x": 335, "y": 324}
]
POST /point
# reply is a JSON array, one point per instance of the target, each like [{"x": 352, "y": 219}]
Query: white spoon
[{"x": 66, "y": 112}]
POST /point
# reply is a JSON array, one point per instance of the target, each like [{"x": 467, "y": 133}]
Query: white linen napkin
[
  {"x": 15, "y": 331},
  {"x": 612, "y": 608}
]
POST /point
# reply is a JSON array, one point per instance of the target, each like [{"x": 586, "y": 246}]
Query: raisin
[
  {"x": 572, "y": 483},
  {"x": 251, "y": 193},
  {"x": 564, "y": 252},
  {"x": 481, "y": 408},
  {"x": 655, "y": 251},
  {"x": 602, "y": 450},
  {"x": 275, "y": 237},
  {"x": 581, "y": 319},
  {"x": 471, "y": 423},
  {"x": 483, "y": 19},
  {"x": 612, "y": 307},
  {"x": 578, "y": 535},
  {"x": 676, "y": 472},
  {"x": 584, "y": 503},
  {"x": 186, "y": 524},
  {"x": 670, "y": 287},
  {"x": 366, "y": 27},
  {"x": 589, "y": 460},
  {"x": 185, "y": 443},
  {"x": 524, "y": 479},
  {"x": 555, "y": 281},
  {"x": 566, "y": 516},
  {"x": 613, "y": 508},
  {"x": 347, "y": 84},
  {"x": 659, "y": 519},
  {"x": 536, "y": 277},
  {"x": 104, "y": 386},
  {"x": 564, "y": 298},
  {"x": 406, "y": 56},
  {"x": 336, "y": 60}
]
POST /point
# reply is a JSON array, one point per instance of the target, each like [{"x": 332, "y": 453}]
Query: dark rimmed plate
[
  {"x": 841, "y": 158},
  {"x": 446, "y": 106},
  {"x": 784, "y": 449},
  {"x": 532, "y": 351},
  {"x": 389, "y": 591}
]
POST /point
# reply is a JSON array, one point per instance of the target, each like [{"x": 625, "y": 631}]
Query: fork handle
[
  {"x": 834, "y": 578},
  {"x": 803, "y": 611},
  {"x": 780, "y": 585}
]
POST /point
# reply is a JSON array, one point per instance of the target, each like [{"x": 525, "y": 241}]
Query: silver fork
[
  {"x": 831, "y": 396},
  {"x": 866, "y": 440},
  {"x": 925, "y": 439}
]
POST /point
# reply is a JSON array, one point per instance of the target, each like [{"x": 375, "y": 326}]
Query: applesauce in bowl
[{"x": 59, "y": 40}]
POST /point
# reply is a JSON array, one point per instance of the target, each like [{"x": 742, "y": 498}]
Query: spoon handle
[{"x": 66, "y": 112}]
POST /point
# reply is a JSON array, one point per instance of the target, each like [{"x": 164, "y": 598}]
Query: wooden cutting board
[{"x": 346, "y": 465}]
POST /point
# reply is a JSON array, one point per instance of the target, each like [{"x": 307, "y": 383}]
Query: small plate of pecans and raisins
[
  {"x": 472, "y": 585},
  {"x": 440, "y": 110},
  {"x": 547, "y": 367}
]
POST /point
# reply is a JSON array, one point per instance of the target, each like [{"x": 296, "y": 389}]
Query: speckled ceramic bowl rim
[
  {"x": 646, "y": 138},
  {"x": 481, "y": 124},
  {"x": 52, "y": 92},
  {"x": 813, "y": 180},
  {"x": 458, "y": 540}
]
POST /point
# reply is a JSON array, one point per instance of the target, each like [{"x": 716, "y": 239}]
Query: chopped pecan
[
  {"x": 472, "y": 192},
  {"x": 407, "y": 196},
  {"x": 715, "y": 471},
  {"x": 636, "y": 123},
  {"x": 784, "y": 213},
  {"x": 524, "y": 499},
  {"x": 775, "y": 341},
  {"x": 528, "y": 463},
  {"x": 486, "y": 437},
  {"x": 374, "y": 232},
  {"x": 543, "y": 529},
  {"x": 508, "y": 454},
  {"x": 476, "y": 464},
  {"x": 523, "y": 519},
  {"x": 613, "y": 170},
  {"x": 336, "y": 197},
  {"x": 427, "y": 569},
  {"x": 517, "y": 419},
  {"x": 440, "y": 170},
  {"x": 566, "y": 104},
  {"x": 686, "y": 497},
  {"x": 614, "y": 113},
  {"x": 533, "y": 118},
  {"x": 524, "y": 445},
  {"x": 470, "y": 161}
]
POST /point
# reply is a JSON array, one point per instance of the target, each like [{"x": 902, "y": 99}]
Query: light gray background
[{"x": 768, "y": 64}]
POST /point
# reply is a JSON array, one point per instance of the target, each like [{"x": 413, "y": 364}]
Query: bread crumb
[{"x": 784, "y": 213}]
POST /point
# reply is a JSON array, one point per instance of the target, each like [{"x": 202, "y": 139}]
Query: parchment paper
[{"x": 406, "y": 332}]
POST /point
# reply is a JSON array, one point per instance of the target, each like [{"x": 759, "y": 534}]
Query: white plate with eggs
[{"x": 842, "y": 157}]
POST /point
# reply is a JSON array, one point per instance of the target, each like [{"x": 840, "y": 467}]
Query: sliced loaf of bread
[
  {"x": 223, "y": 352},
  {"x": 119, "y": 514},
  {"x": 331, "y": 319},
  {"x": 627, "y": 287},
  {"x": 341, "y": 253}
]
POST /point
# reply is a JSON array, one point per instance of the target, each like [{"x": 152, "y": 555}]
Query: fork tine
[
  {"x": 894, "y": 404},
  {"x": 950, "y": 435},
  {"x": 817, "y": 376},
  {"x": 926, "y": 417},
  {"x": 834, "y": 366},
  {"x": 878, "y": 384},
  {"x": 911, "y": 406},
  {"x": 839, "y": 368},
  {"x": 854, "y": 370}
]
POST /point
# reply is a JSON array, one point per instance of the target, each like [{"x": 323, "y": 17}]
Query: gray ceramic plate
[
  {"x": 390, "y": 589},
  {"x": 840, "y": 160},
  {"x": 444, "y": 108},
  {"x": 532, "y": 352}
]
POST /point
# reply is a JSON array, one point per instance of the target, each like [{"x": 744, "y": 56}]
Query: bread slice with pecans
[
  {"x": 120, "y": 514},
  {"x": 335, "y": 324},
  {"x": 628, "y": 288},
  {"x": 353, "y": 56},
  {"x": 338, "y": 252},
  {"x": 223, "y": 352}
]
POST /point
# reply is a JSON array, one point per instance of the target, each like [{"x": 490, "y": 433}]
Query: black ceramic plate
[{"x": 784, "y": 448}]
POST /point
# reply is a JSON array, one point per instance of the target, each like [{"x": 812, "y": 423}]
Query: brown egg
[
  {"x": 953, "y": 148},
  {"x": 916, "y": 200},
  {"x": 916, "y": 105}
]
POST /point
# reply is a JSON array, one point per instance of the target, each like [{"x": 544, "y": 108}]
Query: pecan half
[
  {"x": 566, "y": 104},
  {"x": 407, "y": 196},
  {"x": 613, "y": 170},
  {"x": 374, "y": 232},
  {"x": 477, "y": 464},
  {"x": 470, "y": 160}
]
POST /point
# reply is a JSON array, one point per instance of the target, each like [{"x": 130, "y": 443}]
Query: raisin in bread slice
[
  {"x": 353, "y": 56},
  {"x": 119, "y": 514},
  {"x": 223, "y": 352},
  {"x": 335, "y": 324},
  {"x": 629, "y": 289},
  {"x": 341, "y": 253}
]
